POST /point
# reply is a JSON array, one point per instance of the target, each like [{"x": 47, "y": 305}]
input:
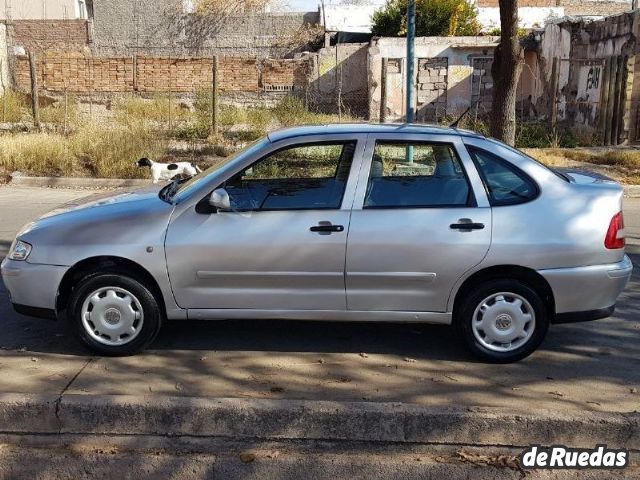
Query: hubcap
[
  {"x": 503, "y": 322},
  {"x": 112, "y": 316}
]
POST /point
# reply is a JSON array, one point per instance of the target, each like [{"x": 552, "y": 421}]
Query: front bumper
[
  {"x": 592, "y": 288},
  {"x": 32, "y": 285}
]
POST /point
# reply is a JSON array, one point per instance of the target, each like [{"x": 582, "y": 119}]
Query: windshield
[{"x": 219, "y": 163}]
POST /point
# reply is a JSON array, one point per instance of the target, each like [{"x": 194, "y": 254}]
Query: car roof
[{"x": 363, "y": 128}]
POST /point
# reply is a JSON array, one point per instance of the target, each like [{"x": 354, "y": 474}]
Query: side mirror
[{"x": 219, "y": 199}]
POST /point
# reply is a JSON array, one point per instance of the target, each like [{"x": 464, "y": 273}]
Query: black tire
[
  {"x": 473, "y": 298},
  {"x": 152, "y": 314}
]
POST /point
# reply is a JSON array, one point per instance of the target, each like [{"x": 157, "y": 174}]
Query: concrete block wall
[
  {"x": 432, "y": 86},
  {"x": 162, "y": 27}
]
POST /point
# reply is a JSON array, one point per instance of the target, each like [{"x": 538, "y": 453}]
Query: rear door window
[
  {"x": 505, "y": 183},
  {"x": 418, "y": 175}
]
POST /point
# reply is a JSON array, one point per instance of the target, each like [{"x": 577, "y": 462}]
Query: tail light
[{"x": 615, "y": 234}]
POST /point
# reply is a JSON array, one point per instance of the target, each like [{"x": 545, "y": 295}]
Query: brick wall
[
  {"x": 79, "y": 73},
  {"x": 50, "y": 34}
]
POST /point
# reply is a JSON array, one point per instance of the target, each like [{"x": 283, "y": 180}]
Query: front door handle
[
  {"x": 326, "y": 228},
  {"x": 466, "y": 224}
]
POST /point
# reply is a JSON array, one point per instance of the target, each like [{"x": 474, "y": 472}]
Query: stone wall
[
  {"x": 50, "y": 34},
  {"x": 79, "y": 73},
  {"x": 588, "y": 76}
]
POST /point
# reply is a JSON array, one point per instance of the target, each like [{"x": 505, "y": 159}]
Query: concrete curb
[
  {"x": 632, "y": 191},
  {"x": 310, "y": 420},
  {"x": 77, "y": 182}
]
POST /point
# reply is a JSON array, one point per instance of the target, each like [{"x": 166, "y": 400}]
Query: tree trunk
[{"x": 506, "y": 69}]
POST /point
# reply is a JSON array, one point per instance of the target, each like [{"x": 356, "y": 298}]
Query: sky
[{"x": 303, "y": 5}]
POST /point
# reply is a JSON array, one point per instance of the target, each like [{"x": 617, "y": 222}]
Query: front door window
[{"x": 301, "y": 177}]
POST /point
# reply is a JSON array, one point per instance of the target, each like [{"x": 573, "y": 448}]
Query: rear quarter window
[{"x": 505, "y": 184}]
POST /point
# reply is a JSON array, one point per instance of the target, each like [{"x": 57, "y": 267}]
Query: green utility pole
[{"x": 411, "y": 57}]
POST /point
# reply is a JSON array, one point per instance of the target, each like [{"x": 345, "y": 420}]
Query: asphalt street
[{"x": 589, "y": 366}]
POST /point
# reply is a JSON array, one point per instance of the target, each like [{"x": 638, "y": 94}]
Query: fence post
[
  {"x": 612, "y": 72},
  {"x": 35, "y": 103},
  {"x": 554, "y": 94},
  {"x": 4, "y": 93},
  {"x": 214, "y": 95},
  {"x": 604, "y": 101},
  {"x": 383, "y": 91}
]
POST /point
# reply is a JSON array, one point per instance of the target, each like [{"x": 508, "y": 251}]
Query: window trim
[
  {"x": 203, "y": 206},
  {"x": 471, "y": 197},
  {"x": 509, "y": 166}
]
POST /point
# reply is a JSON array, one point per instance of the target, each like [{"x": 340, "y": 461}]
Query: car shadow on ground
[{"x": 411, "y": 340}]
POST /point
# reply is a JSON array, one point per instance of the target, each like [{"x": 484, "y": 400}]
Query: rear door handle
[
  {"x": 326, "y": 228},
  {"x": 466, "y": 224}
]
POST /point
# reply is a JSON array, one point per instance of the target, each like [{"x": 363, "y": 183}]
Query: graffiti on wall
[{"x": 588, "y": 93}]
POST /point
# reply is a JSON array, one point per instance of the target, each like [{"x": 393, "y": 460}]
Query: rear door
[{"x": 421, "y": 219}]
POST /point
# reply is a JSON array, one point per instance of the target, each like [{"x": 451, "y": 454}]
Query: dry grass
[
  {"x": 621, "y": 164},
  {"x": 12, "y": 107},
  {"x": 140, "y": 128},
  {"x": 160, "y": 109},
  {"x": 91, "y": 150}
]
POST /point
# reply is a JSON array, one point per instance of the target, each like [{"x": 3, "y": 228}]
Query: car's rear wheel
[
  {"x": 502, "y": 320},
  {"x": 114, "y": 314}
]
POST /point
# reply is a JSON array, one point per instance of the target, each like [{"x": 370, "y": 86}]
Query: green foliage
[{"x": 433, "y": 18}]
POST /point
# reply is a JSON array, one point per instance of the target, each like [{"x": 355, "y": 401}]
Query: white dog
[{"x": 166, "y": 171}]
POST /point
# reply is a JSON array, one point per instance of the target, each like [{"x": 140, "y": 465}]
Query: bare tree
[{"x": 506, "y": 69}]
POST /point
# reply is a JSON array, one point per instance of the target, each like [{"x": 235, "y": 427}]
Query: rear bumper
[
  {"x": 32, "y": 285},
  {"x": 589, "y": 291}
]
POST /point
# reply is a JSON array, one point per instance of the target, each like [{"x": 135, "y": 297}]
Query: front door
[
  {"x": 417, "y": 225},
  {"x": 281, "y": 245}
]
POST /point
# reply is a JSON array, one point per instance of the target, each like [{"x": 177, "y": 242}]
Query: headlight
[{"x": 20, "y": 250}]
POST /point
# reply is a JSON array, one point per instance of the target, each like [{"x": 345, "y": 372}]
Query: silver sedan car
[{"x": 378, "y": 223}]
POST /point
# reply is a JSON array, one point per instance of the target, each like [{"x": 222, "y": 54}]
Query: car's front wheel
[
  {"x": 114, "y": 314},
  {"x": 502, "y": 320}
]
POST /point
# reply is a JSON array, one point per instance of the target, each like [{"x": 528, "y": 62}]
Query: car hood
[
  {"x": 104, "y": 223},
  {"x": 107, "y": 199}
]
